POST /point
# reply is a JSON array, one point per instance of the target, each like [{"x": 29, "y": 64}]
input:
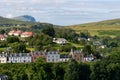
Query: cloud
[
  {"x": 61, "y": 11},
  {"x": 9, "y": 15}
]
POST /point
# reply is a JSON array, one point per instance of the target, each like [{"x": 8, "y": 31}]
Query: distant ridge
[
  {"x": 26, "y": 18},
  {"x": 113, "y": 24},
  {"x": 105, "y": 23},
  {"x": 7, "y": 23},
  {"x": 4, "y": 20}
]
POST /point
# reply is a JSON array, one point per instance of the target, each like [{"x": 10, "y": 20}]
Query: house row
[
  {"x": 50, "y": 56},
  {"x": 15, "y": 58},
  {"x": 3, "y": 77},
  {"x": 20, "y": 33},
  {"x": 17, "y": 33}
]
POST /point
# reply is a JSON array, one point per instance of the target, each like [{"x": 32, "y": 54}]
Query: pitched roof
[
  {"x": 12, "y": 31},
  {"x": 28, "y": 33},
  {"x": 2, "y": 36},
  {"x": 19, "y": 31},
  {"x": 19, "y": 55}
]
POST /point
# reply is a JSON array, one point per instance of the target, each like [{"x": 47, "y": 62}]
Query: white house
[
  {"x": 18, "y": 33},
  {"x": 3, "y": 58},
  {"x": 52, "y": 56},
  {"x": 11, "y": 33},
  {"x": 19, "y": 58},
  {"x": 89, "y": 58},
  {"x": 60, "y": 40},
  {"x": 3, "y": 77},
  {"x": 2, "y": 37}
]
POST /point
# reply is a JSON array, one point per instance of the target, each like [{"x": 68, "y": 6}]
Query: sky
[{"x": 62, "y": 12}]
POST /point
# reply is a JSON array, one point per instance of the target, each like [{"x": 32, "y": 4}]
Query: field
[{"x": 107, "y": 28}]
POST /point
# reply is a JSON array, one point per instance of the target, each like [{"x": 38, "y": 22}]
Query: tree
[
  {"x": 88, "y": 50},
  {"x": 68, "y": 34},
  {"x": 72, "y": 71},
  {"x": 12, "y": 39},
  {"x": 107, "y": 69},
  {"x": 18, "y": 47},
  {"x": 49, "y": 30},
  {"x": 39, "y": 41},
  {"x": 2, "y": 31},
  {"x": 58, "y": 72},
  {"x": 84, "y": 71},
  {"x": 84, "y": 34}
]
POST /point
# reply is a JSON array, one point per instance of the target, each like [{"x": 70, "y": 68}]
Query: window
[
  {"x": 53, "y": 60},
  {"x": 48, "y": 59}
]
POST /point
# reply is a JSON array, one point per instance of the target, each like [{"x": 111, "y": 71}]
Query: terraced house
[
  {"x": 19, "y": 58},
  {"x": 3, "y": 77},
  {"x": 3, "y": 58}
]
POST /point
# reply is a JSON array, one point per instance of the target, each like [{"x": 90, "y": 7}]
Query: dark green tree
[
  {"x": 18, "y": 47},
  {"x": 72, "y": 71},
  {"x": 107, "y": 69},
  {"x": 49, "y": 30},
  {"x": 2, "y": 31},
  {"x": 12, "y": 39}
]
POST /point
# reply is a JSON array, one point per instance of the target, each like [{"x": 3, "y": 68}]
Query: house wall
[
  {"x": 25, "y": 35},
  {"x": 3, "y": 77},
  {"x": 2, "y": 39},
  {"x": 64, "y": 59},
  {"x": 22, "y": 59},
  {"x": 53, "y": 57},
  {"x": 3, "y": 59},
  {"x": 78, "y": 56},
  {"x": 16, "y": 34},
  {"x": 36, "y": 56}
]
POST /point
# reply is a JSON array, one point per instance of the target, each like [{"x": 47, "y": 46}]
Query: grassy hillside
[
  {"x": 108, "y": 27},
  {"x": 6, "y": 23},
  {"x": 10, "y": 21}
]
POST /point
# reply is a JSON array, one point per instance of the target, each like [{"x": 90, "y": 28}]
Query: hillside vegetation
[
  {"x": 8, "y": 24},
  {"x": 108, "y": 27},
  {"x": 11, "y": 21}
]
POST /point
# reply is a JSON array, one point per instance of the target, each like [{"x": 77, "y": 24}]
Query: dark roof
[
  {"x": 3, "y": 55},
  {"x": 3, "y": 75},
  {"x": 65, "y": 56},
  {"x": 53, "y": 52},
  {"x": 38, "y": 53},
  {"x": 19, "y": 55}
]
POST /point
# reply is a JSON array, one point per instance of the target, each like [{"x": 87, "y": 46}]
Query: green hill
[
  {"x": 27, "y": 18},
  {"x": 6, "y": 23},
  {"x": 96, "y": 28},
  {"x": 11, "y": 21}
]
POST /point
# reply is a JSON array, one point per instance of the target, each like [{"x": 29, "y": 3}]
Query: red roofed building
[
  {"x": 18, "y": 33},
  {"x": 2, "y": 37},
  {"x": 27, "y": 34},
  {"x": 77, "y": 55},
  {"x": 36, "y": 55},
  {"x": 11, "y": 33}
]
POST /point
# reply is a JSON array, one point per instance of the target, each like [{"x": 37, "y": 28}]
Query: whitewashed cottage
[
  {"x": 19, "y": 58},
  {"x": 52, "y": 56},
  {"x": 3, "y": 58}
]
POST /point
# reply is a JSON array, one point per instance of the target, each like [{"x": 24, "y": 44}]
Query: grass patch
[{"x": 110, "y": 33}]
